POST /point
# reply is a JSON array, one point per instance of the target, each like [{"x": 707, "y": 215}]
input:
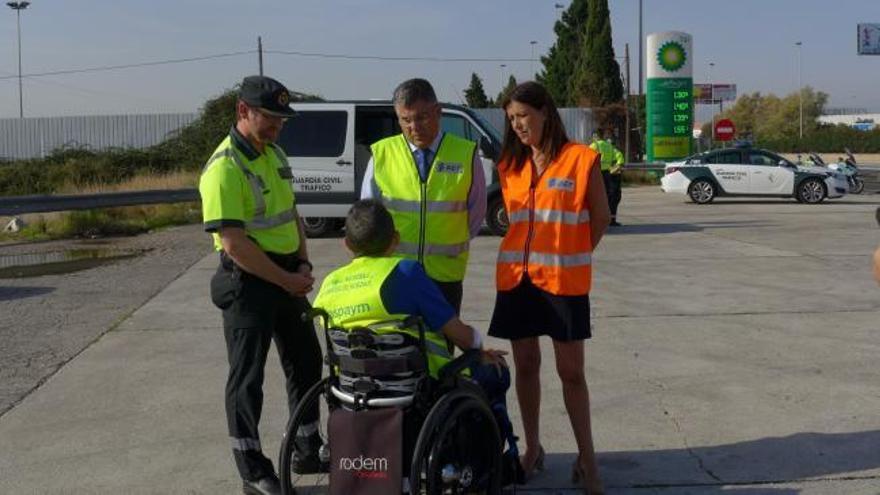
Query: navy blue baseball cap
[{"x": 266, "y": 94}]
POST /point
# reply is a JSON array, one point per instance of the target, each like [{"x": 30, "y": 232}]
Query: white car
[{"x": 749, "y": 172}]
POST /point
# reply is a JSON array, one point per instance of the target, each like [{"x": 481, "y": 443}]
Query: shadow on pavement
[
  {"x": 764, "y": 462},
  {"x": 12, "y": 293},
  {"x": 672, "y": 228}
]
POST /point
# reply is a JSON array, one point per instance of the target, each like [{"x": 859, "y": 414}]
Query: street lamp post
[
  {"x": 641, "y": 42},
  {"x": 800, "y": 91},
  {"x": 533, "y": 43},
  {"x": 18, "y": 7},
  {"x": 712, "y": 99}
]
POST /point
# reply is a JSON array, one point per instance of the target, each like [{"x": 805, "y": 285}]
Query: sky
[{"x": 750, "y": 42}]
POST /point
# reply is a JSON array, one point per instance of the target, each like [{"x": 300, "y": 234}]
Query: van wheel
[
  {"x": 318, "y": 226},
  {"x": 496, "y": 216}
]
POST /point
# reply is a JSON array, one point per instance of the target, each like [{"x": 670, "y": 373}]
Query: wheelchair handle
[
  {"x": 418, "y": 322},
  {"x": 454, "y": 367},
  {"x": 315, "y": 313}
]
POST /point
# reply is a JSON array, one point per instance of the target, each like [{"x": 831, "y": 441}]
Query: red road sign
[{"x": 724, "y": 130}]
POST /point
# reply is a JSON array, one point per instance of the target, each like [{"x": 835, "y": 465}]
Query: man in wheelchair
[{"x": 380, "y": 308}]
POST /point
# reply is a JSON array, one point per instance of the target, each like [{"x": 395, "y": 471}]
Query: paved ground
[
  {"x": 45, "y": 321},
  {"x": 735, "y": 352}
]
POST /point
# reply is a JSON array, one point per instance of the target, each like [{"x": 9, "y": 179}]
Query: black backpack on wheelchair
[{"x": 391, "y": 428}]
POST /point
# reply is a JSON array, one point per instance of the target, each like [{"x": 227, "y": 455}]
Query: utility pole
[
  {"x": 18, "y": 7},
  {"x": 626, "y": 103},
  {"x": 260, "y": 52}
]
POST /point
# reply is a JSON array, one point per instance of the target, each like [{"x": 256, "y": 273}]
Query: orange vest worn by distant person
[{"x": 549, "y": 234}]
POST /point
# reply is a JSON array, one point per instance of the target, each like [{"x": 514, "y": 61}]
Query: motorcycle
[{"x": 847, "y": 166}]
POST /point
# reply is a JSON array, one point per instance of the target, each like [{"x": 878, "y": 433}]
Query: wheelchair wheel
[
  {"x": 291, "y": 482},
  {"x": 459, "y": 448}
]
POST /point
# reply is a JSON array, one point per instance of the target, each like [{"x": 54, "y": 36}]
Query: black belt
[{"x": 289, "y": 262}]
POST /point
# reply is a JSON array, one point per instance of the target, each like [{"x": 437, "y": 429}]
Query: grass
[
  {"x": 641, "y": 178},
  {"x": 128, "y": 220}
]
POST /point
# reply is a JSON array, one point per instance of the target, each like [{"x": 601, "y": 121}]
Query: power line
[
  {"x": 106, "y": 68},
  {"x": 395, "y": 59},
  {"x": 131, "y": 66}
]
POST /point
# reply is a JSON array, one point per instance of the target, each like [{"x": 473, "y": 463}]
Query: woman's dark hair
[{"x": 553, "y": 135}]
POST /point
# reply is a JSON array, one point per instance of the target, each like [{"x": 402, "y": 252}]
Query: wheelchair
[{"x": 451, "y": 442}]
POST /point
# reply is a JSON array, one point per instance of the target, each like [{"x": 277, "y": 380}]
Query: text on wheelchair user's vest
[
  {"x": 348, "y": 283},
  {"x": 350, "y": 310},
  {"x": 365, "y": 467}
]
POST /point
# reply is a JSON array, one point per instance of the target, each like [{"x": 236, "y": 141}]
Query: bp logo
[{"x": 671, "y": 56}]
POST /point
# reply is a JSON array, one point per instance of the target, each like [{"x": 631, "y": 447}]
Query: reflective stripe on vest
[
  {"x": 551, "y": 216},
  {"x": 352, "y": 296},
  {"x": 549, "y": 234},
  {"x": 260, "y": 220},
  {"x": 546, "y": 259},
  {"x": 411, "y": 249},
  {"x": 432, "y": 206},
  {"x": 431, "y": 216}
]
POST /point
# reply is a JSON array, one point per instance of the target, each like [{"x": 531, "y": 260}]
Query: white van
[{"x": 328, "y": 145}]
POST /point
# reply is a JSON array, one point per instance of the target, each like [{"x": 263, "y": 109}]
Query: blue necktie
[{"x": 423, "y": 161}]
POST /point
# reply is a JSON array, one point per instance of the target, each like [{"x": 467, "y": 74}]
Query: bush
[
  {"x": 828, "y": 139},
  {"x": 81, "y": 166}
]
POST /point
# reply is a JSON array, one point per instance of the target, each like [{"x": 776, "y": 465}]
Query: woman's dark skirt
[{"x": 528, "y": 311}]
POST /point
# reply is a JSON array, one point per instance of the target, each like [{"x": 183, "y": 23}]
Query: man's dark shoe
[
  {"x": 309, "y": 464},
  {"x": 263, "y": 486},
  {"x": 615, "y": 223}
]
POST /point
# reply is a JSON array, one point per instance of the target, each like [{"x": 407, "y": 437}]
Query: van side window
[
  {"x": 455, "y": 124},
  {"x": 319, "y": 133},
  {"x": 371, "y": 125}
]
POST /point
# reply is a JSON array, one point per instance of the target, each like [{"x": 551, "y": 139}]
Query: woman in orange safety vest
[{"x": 558, "y": 212}]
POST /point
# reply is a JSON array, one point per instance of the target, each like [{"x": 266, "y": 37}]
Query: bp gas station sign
[{"x": 670, "y": 102}]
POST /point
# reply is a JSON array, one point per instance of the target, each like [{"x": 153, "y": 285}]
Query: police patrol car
[{"x": 749, "y": 172}]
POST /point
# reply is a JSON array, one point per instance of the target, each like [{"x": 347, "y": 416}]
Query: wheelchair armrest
[{"x": 454, "y": 367}]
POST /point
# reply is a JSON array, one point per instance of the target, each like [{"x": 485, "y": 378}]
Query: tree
[
  {"x": 596, "y": 81},
  {"x": 475, "y": 95},
  {"x": 564, "y": 55},
  {"x": 770, "y": 118},
  {"x": 511, "y": 84}
]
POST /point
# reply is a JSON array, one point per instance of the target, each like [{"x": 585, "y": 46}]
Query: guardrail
[
  {"x": 648, "y": 167},
  {"x": 17, "y": 205}
]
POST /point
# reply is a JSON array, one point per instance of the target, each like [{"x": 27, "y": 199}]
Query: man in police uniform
[
  {"x": 432, "y": 183},
  {"x": 612, "y": 168},
  {"x": 264, "y": 274}
]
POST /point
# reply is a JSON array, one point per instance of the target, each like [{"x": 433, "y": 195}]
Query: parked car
[
  {"x": 328, "y": 144},
  {"x": 749, "y": 172}
]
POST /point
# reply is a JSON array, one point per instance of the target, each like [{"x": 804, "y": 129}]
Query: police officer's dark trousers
[
  {"x": 612, "y": 189},
  {"x": 254, "y": 313}
]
